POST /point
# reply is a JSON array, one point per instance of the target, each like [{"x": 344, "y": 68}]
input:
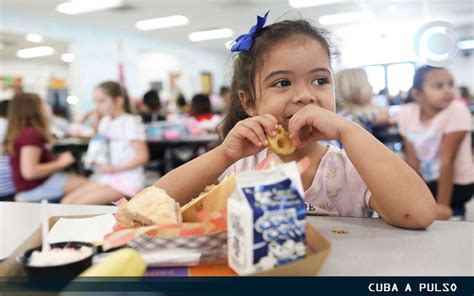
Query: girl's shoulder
[
  {"x": 131, "y": 119},
  {"x": 458, "y": 109},
  {"x": 409, "y": 109},
  {"x": 30, "y": 136},
  {"x": 30, "y": 132}
]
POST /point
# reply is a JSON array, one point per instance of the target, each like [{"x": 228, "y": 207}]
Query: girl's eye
[
  {"x": 320, "y": 81},
  {"x": 282, "y": 83}
]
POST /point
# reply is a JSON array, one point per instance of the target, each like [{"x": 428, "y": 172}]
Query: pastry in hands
[{"x": 281, "y": 143}]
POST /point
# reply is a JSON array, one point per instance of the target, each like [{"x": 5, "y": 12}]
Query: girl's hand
[
  {"x": 249, "y": 136},
  {"x": 313, "y": 123},
  {"x": 65, "y": 159},
  {"x": 105, "y": 169}
]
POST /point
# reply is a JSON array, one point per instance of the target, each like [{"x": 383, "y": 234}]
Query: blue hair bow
[{"x": 244, "y": 42}]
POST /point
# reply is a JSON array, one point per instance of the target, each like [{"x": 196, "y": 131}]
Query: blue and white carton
[{"x": 266, "y": 219}]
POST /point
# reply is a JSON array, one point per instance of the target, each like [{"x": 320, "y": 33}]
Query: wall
[
  {"x": 462, "y": 69},
  {"x": 35, "y": 73}
]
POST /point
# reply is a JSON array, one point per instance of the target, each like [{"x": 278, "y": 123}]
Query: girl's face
[
  {"x": 437, "y": 89},
  {"x": 105, "y": 104},
  {"x": 295, "y": 73}
]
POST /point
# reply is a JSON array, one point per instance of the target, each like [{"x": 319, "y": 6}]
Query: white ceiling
[{"x": 241, "y": 15}]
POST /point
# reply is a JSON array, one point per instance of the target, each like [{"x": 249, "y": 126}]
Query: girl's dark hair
[
  {"x": 4, "y": 108},
  {"x": 181, "y": 100},
  {"x": 115, "y": 90},
  {"x": 200, "y": 104},
  {"x": 247, "y": 63},
  {"x": 25, "y": 111},
  {"x": 152, "y": 99},
  {"x": 420, "y": 75}
]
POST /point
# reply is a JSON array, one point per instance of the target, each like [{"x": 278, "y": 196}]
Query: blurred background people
[
  {"x": 354, "y": 99},
  {"x": 151, "y": 100},
  {"x": 36, "y": 173},
  {"x": 182, "y": 104},
  {"x": 124, "y": 133},
  {"x": 465, "y": 95},
  {"x": 436, "y": 132},
  {"x": 7, "y": 189}
]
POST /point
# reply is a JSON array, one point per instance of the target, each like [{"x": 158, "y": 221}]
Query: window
[
  {"x": 399, "y": 77},
  {"x": 376, "y": 75}
]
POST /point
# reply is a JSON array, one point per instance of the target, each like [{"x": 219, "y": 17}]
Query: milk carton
[
  {"x": 97, "y": 152},
  {"x": 266, "y": 219}
]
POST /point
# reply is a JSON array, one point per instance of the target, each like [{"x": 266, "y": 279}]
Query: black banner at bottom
[{"x": 290, "y": 286}]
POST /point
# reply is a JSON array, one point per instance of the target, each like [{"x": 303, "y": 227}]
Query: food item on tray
[
  {"x": 124, "y": 262},
  {"x": 281, "y": 143},
  {"x": 340, "y": 230},
  {"x": 266, "y": 219},
  {"x": 152, "y": 206},
  {"x": 58, "y": 256},
  {"x": 214, "y": 198},
  {"x": 97, "y": 152}
]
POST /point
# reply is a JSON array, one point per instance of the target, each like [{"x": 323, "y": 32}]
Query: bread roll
[{"x": 152, "y": 206}]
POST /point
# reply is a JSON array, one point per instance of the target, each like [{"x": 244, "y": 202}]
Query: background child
[
  {"x": 128, "y": 152},
  {"x": 354, "y": 99},
  {"x": 7, "y": 189},
  {"x": 437, "y": 138},
  {"x": 36, "y": 172},
  {"x": 201, "y": 107},
  {"x": 282, "y": 74},
  {"x": 151, "y": 99},
  {"x": 182, "y": 104}
]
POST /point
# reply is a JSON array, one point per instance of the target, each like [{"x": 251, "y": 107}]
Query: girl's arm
[
  {"x": 449, "y": 147},
  {"x": 190, "y": 179},
  {"x": 32, "y": 169},
  {"x": 410, "y": 155},
  {"x": 381, "y": 115},
  {"x": 247, "y": 137},
  {"x": 399, "y": 195},
  {"x": 141, "y": 157}
]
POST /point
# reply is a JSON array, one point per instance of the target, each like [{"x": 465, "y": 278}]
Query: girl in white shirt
[{"x": 128, "y": 152}]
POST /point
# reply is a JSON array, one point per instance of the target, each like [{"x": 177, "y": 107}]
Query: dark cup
[{"x": 65, "y": 271}]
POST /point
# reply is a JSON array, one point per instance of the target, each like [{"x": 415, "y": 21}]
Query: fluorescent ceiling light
[
  {"x": 466, "y": 44},
  {"x": 35, "y": 38},
  {"x": 72, "y": 100},
  {"x": 83, "y": 6},
  {"x": 348, "y": 17},
  {"x": 211, "y": 34},
  {"x": 162, "y": 22},
  {"x": 229, "y": 44},
  {"x": 67, "y": 57},
  {"x": 34, "y": 52},
  {"x": 308, "y": 3}
]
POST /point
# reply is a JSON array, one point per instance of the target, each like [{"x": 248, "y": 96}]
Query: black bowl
[{"x": 66, "y": 271}]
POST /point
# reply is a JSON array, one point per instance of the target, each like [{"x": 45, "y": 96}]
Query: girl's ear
[
  {"x": 120, "y": 101},
  {"x": 247, "y": 103}
]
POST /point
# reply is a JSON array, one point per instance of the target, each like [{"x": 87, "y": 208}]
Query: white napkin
[{"x": 81, "y": 229}]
